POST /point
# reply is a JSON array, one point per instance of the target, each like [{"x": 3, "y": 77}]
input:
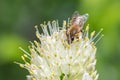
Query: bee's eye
[{"x": 72, "y": 38}]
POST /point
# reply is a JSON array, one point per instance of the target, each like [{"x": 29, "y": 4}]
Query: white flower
[{"x": 52, "y": 58}]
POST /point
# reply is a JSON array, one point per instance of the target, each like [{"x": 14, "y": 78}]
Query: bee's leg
[{"x": 69, "y": 39}]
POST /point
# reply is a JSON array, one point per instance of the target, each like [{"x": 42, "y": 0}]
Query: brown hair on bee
[{"x": 76, "y": 25}]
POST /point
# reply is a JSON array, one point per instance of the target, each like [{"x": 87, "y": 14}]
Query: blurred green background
[{"x": 18, "y": 18}]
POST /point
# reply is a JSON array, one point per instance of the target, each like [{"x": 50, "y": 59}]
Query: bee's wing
[
  {"x": 74, "y": 16},
  {"x": 85, "y": 17}
]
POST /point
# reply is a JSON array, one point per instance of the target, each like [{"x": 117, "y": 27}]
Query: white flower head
[{"x": 52, "y": 58}]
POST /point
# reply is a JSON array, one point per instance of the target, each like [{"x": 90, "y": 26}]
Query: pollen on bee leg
[
  {"x": 76, "y": 34},
  {"x": 75, "y": 40}
]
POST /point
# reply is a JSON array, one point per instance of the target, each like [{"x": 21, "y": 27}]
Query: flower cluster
[{"x": 52, "y": 58}]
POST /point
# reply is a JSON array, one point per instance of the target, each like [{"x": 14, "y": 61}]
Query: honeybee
[{"x": 76, "y": 25}]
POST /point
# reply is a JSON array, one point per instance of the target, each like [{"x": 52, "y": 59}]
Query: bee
[{"x": 75, "y": 27}]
